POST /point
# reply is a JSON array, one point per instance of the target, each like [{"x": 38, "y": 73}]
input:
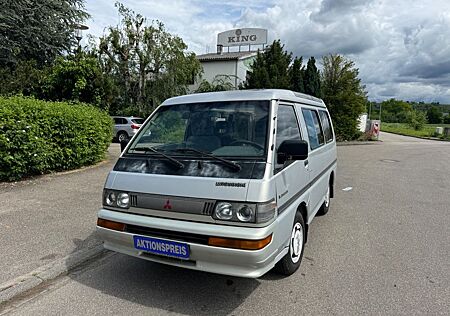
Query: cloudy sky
[{"x": 402, "y": 47}]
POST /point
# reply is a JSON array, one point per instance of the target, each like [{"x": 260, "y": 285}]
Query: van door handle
[{"x": 306, "y": 162}]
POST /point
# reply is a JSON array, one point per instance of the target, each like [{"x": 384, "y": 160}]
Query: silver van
[{"x": 224, "y": 182}]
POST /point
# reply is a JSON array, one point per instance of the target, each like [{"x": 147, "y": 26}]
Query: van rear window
[{"x": 326, "y": 125}]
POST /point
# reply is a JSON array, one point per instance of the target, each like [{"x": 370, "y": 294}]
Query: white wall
[
  {"x": 213, "y": 68},
  {"x": 362, "y": 122},
  {"x": 231, "y": 68}
]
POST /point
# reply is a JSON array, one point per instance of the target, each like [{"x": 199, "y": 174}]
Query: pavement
[
  {"x": 50, "y": 217},
  {"x": 383, "y": 248}
]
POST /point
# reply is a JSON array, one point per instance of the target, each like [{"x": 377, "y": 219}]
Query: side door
[
  {"x": 318, "y": 157},
  {"x": 123, "y": 125},
  {"x": 291, "y": 177}
]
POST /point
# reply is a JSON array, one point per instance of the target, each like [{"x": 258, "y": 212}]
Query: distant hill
[{"x": 422, "y": 106}]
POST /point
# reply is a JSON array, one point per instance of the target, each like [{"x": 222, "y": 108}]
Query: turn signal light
[
  {"x": 110, "y": 224},
  {"x": 239, "y": 243}
]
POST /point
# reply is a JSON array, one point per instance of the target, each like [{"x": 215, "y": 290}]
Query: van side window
[
  {"x": 287, "y": 127},
  {"x": 315, "y": 134},
  {"x": 326, "y": 124}
]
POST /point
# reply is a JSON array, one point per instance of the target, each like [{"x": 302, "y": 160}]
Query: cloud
[
  {"x": 401, "y": 47},
  {"x": 329, "y": 9}
]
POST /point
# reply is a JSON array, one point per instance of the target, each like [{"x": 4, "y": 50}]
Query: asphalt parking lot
[{"x": 383, "y": 248}]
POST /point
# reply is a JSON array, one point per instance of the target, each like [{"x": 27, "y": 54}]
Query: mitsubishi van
[{"x": 223, "y": 182}]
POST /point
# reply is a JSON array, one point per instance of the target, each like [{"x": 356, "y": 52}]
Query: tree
[
  {"x": 219, "y": 83},
  {"x": 434, "y": 115},
  {"x": 343, "y": 93},
  {"x": 270, "y": 69},
  {"x": 25, "y": 78},
  {"x": 38, "y": 29},
  {"x": 147, "y": 61},
  {"x": 77, "y": 78},
  {"x": 416, "y": 119},
  {"x": 395, "y": 111},
  {"x": 296, "y": 73},
  {"x": 312, "y": 79}
]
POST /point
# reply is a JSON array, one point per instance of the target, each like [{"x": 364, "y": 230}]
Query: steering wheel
[{"x": 247, "y": 142}]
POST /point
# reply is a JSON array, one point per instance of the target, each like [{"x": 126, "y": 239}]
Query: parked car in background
[{"x": 126, "y": 126}]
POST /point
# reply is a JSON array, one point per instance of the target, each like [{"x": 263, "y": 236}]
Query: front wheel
[
  {"x": 122, "y": 136},
  {"x": 291, "y": 261}
]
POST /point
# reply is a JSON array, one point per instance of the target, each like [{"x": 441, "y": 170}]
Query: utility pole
[{"x": 379, "y": 118}]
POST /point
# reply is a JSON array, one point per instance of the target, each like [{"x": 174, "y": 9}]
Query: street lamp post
[{"x": 78, "y": 29}]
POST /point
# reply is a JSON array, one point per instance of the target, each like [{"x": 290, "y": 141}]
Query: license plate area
[{"x": 162, "y": 247}]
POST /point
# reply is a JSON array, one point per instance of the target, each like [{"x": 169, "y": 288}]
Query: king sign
[{"x": 241, "y": 37}]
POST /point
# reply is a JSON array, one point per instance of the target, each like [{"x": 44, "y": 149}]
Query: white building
[{"x": 232, "y": 67}]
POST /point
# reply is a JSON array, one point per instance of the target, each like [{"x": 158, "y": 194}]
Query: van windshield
[{"x": 225, "y": 129}]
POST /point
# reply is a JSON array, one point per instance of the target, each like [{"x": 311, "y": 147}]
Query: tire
[
  {"x": 326, "y": 204},
  {"x": 121, "y": 136},
  {"x": 291, "y": 261}
]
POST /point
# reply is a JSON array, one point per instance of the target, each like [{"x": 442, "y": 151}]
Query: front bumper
[{"x": 235, "y": 262}]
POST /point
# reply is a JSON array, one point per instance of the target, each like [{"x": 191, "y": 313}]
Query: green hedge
[{"x": 37, "y": 137}]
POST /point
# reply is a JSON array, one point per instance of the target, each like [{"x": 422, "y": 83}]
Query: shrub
[
  {"x": 416, "y": 119},
  {"x": 434, "y": 115},
  {"x": 37, "y": 137}
]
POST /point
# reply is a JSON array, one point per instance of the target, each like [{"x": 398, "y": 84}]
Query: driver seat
[{"x": 202, "y": 133}]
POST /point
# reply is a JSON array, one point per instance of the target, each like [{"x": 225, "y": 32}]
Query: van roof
[{"x": 247, "y": 95}]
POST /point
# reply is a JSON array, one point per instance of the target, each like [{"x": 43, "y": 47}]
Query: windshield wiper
[
  {"x": 229, "y": 163},
  {"x": 175, "y": 162}
]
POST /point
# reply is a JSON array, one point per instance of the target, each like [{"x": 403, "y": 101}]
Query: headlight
[
  {"x": 111, "y": 199},
  {"x": 123, "y": 200},
  {"x": 245, "y": 214},
  {"x": 236, "y": 212},
  {"x": 116, "y": 198},
  {"x": 224, "y": 211}
]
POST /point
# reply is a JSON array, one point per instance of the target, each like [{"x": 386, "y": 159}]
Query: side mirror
[
  {"x": 292, "y": 150},
  {"x": 123, "y": 144}
]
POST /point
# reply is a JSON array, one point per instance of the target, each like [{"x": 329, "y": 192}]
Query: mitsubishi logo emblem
[{"x": 168, "y": 206}]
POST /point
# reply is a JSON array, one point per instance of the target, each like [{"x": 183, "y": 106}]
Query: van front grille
[
  {"x": 208, "y": 208},
  {"x": 133, "y": 200}
]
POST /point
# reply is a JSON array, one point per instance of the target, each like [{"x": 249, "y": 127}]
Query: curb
[
  {"x": 24, "y": 283},
  {"x": 419, "y": 137},
  {"x": 356, "y": 143}
]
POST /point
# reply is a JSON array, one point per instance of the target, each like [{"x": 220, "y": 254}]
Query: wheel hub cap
[
  {"x": 327, "y": 197},
  {"x": 296, "y": 245}
]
